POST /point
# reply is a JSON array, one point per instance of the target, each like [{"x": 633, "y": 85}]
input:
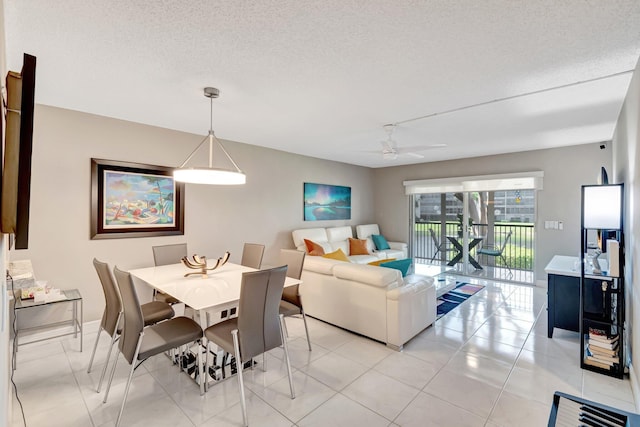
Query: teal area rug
[{"x": 450, "y": 300}]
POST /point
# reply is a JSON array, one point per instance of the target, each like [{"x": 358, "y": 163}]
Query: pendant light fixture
[{"x": 210, "y": 175}]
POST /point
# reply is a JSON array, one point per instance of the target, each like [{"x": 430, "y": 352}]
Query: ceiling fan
[{"x": 391, "y": 151}]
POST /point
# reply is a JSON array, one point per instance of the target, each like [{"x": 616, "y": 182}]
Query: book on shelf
[
  {"x": 610, "y": 360},
  {"x": 597, "y": 332},
  {"x": 603, "y": 351},
  {"x": 606, "y": 345},
  {"x": 603, "y": 333},
  {"x": 605, "y": 340},
  {"x": 597, "y": 364}
]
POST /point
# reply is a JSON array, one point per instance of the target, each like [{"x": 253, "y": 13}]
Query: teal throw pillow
[
  {"x": 400, "y": 264},
  {"x": 380, "y": 242}
]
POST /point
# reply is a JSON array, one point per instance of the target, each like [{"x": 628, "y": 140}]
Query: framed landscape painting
[
  {"x": 326, "y": 202},
  {"x": 134, "y": 200}
]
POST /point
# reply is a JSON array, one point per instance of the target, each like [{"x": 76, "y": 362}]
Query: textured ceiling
[{"x": 321, "y": 78}]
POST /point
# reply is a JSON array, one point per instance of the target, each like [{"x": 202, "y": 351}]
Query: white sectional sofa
[
  {"x": 376, "y": 302},
  {"x": 397, "y": 250},
  {"x": 334, "y": 238}
]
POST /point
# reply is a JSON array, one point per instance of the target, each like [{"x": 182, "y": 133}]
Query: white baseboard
[{"x": 635, "y": 386}]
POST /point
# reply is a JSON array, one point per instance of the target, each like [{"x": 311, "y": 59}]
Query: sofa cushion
[
  {"x": 369, "y": 274},
  {"x": 362, "y": 259},
  {"x": 337, "y": 255},
  {"x": 340, "y": 244},
  {"x": 402, "y": 265},
  {"x": 320, "y": 264},
  {"x": 357, "y": 247},
  {"x": 336, "y": 234},
  {"x": 313, "y": 248},
  {"x": 380, "y": 242},
  {"x": 390, "y": 253},
  {"x": 366, "y": 230}
]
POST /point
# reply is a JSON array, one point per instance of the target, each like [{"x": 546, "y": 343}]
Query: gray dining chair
[
  {"x": 152, "y": 312},
  {"x": 166, "y": 255},
  {"x": 138, "y": 343},
  {"x": 252, "y": 255},
  {"x": 291, "y": 303},
  {"x": 497, "y": 251},
  {"x": 258, "y": 327}
]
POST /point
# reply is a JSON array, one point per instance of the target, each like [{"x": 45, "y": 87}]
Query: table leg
[
  {"x": 458, "y": 257},
  {"x": 75, "y": 319},
  {"x": 475, "y": 263},
  {"x": 203, "y": 350},
  {"x": 472, "y": 260},
  {"x": 81, "y": 325}
]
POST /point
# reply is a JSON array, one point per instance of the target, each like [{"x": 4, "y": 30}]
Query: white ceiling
[{"x": 321, "y": 78}]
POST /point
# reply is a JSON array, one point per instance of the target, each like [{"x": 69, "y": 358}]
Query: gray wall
[
  {"x": 565, "y": 170},
  {"x": 265, "y": 210},
  {"x": 626, "y": 143}
]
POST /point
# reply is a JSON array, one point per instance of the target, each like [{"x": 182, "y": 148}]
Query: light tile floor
[{"x": 486, "y": 363}]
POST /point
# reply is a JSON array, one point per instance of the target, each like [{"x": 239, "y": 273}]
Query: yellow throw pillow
[
  {"x": 313, "y": 248},
  {"x": 380, "y": 261},
  {"x": 337, "y": 255},
  {"x": 358, "y": 247}
]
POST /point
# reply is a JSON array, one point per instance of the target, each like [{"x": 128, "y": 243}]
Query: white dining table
[{"x": 219, "y": 291}]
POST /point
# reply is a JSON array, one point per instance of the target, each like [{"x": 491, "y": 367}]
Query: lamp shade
[
  {"x": 211, "y": 176},
  {"x": 602, "y": 207}
]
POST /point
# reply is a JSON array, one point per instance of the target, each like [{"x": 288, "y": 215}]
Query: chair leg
[
  {"x": 506, "y": 263},
  {"x": 306, "y": 329},
  {"x": 286, "y": 357},
  {"x": 95, "y": 346},
  {"x": 113, "y": 371},
  {"x": 126, "y": 388},
  {"x": 106, "y": 362},
  {"x": 286, "y": 330},
  {"x": 434, "y": 255},
  {"x": 239, "y": 365}
]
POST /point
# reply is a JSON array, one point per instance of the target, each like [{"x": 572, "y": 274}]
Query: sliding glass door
[{"x": 479, "y": 233}]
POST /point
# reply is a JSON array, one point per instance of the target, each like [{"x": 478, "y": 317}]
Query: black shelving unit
[{"x": 602, "y": 289}]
